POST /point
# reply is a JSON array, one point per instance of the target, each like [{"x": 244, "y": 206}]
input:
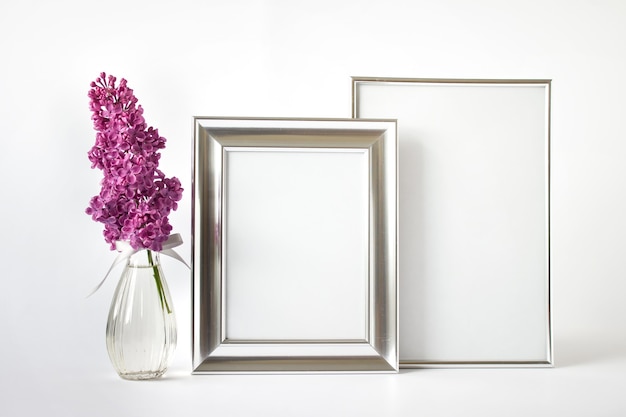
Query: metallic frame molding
[
  {"x": 213, "y": 352},
  {"x": 358, "y": 83}
]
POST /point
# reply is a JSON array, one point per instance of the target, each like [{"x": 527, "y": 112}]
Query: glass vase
[{"x": 141, "y": 328}]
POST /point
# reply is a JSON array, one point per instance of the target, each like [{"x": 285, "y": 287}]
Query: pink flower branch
[{"x": 135, "y": 197}]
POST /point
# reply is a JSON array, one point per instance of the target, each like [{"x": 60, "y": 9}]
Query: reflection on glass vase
[{"x": 141, "y": 329}]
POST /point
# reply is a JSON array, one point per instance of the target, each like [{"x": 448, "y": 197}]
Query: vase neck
[{"x": 144, "y": 258}]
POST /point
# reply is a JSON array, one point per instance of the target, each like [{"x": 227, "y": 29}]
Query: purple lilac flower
[{"x": 136, "y": 197}]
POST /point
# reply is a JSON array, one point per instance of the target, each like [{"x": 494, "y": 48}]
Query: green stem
[{"x": 159, "y": 283}]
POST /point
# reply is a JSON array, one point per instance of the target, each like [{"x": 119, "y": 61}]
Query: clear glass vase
[{"x": 141, "y": 329}]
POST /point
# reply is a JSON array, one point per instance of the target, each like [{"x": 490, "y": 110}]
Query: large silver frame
[
  {"x": 214, "y": 350},
  {"x": 474, "y": 184}
]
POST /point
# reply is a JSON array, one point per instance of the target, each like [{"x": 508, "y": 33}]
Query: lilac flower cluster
[{"x": 136, "y": 197}]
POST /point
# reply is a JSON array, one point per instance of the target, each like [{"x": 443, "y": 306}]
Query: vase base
[{"x": 141, "y": 376}]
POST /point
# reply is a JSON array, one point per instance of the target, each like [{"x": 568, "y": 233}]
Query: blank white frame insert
[{"x": 296, "y": 244}]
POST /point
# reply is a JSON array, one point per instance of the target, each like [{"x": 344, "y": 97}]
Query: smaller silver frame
[{"x": 226, "y": 338}]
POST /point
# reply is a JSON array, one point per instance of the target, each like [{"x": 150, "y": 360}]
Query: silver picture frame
[
  {"x": 294, "y": 252},
  {"x": 474, "y": 209}
]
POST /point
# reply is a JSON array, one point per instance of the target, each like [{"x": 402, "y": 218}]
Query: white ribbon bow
[{"x": 126, "y": 251}]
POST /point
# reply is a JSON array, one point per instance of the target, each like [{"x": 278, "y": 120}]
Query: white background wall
[{"x": 290, "y": 58}]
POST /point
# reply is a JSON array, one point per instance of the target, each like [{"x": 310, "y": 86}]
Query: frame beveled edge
[
  {"x": 547, "y": 82},
  {"x": 382, "y": 322}
]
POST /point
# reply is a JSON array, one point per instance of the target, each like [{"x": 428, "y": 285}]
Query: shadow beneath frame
[
  {"x": 579, "y": 350},
  {"x": 583, "y": 350}
]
